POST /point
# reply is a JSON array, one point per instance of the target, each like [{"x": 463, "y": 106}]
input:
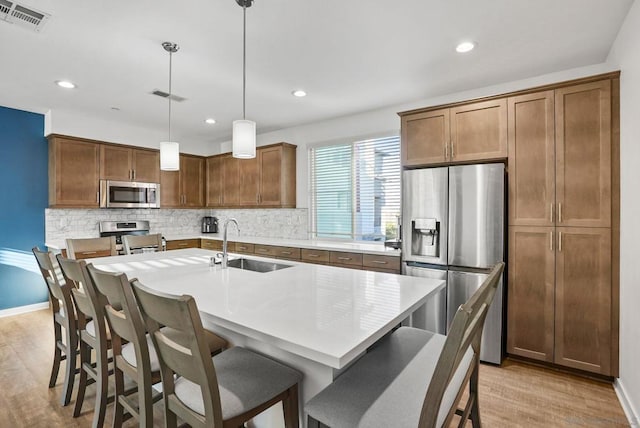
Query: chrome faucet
[{"x": 225, "y": 255}]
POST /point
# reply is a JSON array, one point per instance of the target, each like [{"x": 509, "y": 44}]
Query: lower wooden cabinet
[
  {"x": 559, "y": 304},
  {"x": 211, "y": 244},
  {"x": 583, "y": 299},
  {"x": 531, "y": 282}
]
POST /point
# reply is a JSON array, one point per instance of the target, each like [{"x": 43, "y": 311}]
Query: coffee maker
[{"x": 209, "y": 224}]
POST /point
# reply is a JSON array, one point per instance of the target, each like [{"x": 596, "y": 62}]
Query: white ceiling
[{"x": 350, "y": 56}]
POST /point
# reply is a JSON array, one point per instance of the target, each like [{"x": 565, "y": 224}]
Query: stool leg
[
  {"x": 290, "y": 407},
  {"x": 102, "y": 387},
  {"x": 57, "y": 355},
  {"x": 85, "y": 357},
  {"x": 70, "y": 366}
]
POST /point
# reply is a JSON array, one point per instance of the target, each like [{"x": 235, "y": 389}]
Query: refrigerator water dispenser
[{"x": 425, "y": 237}]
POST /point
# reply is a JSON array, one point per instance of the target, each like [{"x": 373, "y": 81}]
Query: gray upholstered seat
[
  {"x": 387, "y": 386},
  {"x": 239, "y": 371}
]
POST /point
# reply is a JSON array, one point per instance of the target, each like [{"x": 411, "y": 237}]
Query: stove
[{"x": 120, "y": 228}]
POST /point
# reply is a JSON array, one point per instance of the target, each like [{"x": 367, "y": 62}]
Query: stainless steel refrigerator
[{"x": 453, "y": 229}]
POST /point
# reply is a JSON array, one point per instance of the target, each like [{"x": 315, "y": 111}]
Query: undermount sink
[{"x": 255, "y": 265}]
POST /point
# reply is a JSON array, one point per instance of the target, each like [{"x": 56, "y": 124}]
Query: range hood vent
[
  {"x": 22, "y": 15},
  {"x": 164, "y": 94}
]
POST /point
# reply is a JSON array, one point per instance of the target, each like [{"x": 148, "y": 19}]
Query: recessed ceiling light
[
  {"x": 65, "y": 84},
  {"x": 299, "y": 93},
  {"x": 465, "y": 47},
  {"x": 210, "y": 121}
]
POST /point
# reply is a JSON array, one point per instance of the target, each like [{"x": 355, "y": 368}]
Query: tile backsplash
[
  {"x": 287, "y": 223},
  {"x": 83, "y": 223}
]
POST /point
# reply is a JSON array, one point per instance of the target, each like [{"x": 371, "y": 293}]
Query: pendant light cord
[
  {"x": 244, "y": 59},
  {"x": 170, "y": 67}
]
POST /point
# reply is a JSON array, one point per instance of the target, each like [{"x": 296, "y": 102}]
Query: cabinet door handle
[
  {"x": 380, "y": 262},
  {"x": 344, "y": 258},
  {"x": 86, "y": 253},
  {"x": 452, "y": 154},
  {"x": 551, "y": 241},
  {"x": 446, "y": 151},
  {"x": 183, "y": 244},
  {"x": 551, "y": 212},
  {"x": 133, "y": 173},
  {"x": 559, "y": 242},
  {"x": 559, "y": 212},
  {"x": 288, "y": 253},
  {"x": 313, "y": 255}
]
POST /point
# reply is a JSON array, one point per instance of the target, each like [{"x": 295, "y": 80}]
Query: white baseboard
[
  {"x": 629, "y": 410},
  {"x": 23, "y": 309}
]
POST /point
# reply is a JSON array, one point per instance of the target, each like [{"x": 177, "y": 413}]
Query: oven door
[{"x": 127, "y": 194}]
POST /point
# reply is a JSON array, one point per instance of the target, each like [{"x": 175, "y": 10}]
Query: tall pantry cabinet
[{"x": 561, "y": 293}]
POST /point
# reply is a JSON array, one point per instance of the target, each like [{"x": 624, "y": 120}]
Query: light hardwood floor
[{"x": 514, "y": 395}]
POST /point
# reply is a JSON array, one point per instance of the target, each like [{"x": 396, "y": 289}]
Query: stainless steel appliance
[
  {"x": 209, "y": 224},
  {"x": 453, "y": 227},
  {"x": 129, "y": 194},
  {"x": 119, "y": 228}
]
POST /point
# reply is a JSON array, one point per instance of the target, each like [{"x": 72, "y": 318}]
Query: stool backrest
[
  {"x": 91, "y": 247},
  {"x": 465, "y": 332},
  {"x": 59, "y": 290},
  {"x": 138, "y": 243}
]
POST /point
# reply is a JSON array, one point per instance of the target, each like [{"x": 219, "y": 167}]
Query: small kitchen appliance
[{"x": 209, "y": 224}]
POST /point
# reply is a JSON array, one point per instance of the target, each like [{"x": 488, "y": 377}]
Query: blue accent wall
[{"x": 23, "y": 199}]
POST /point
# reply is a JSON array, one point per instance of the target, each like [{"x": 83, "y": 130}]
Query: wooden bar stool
[
  {"x": 93, "y": 335},
  {"x": 224, "y": 391},
  {"x": 414, "y": 378},
  {"x": 64, "y": 317}
]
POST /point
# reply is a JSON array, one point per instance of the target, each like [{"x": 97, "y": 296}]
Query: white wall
[{"x": 624, "y": 55}]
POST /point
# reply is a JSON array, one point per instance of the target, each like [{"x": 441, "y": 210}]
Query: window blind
[{"x": 355, "y": 189}]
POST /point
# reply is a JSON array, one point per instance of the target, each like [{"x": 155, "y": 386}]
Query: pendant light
[
  {"x": 169, "y": 150},
  {"x": 244, "y": 131}
]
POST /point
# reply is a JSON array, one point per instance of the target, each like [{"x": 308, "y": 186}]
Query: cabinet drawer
[
  {"x": 244, "y": 248},
  {"x": 211, "y": 244},
  {"x": 180, "y": 244},
  {"x": 265, "y": 250},
  {"x": 382, "y": 262},
  {"x": 314, "y": 256},
  {"x": 342, "y": 258},
  {"x": 292, "y": 253}
]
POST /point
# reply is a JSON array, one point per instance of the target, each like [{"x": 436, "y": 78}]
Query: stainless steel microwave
[{"x": 129, "y": 194}]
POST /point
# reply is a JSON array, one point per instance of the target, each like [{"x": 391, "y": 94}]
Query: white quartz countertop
[
  {"x": 313, "y": 244},
  {"x": 326, "y": 314}
]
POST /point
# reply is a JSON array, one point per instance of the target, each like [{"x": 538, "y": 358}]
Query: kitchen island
[{"x": 317, "y": 319}]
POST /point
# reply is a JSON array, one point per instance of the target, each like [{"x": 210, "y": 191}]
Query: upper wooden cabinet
[
  {"x": 560, "y": 157},
  {"x": 230, "y": 181},
  {"x": 471, "y": 132},
  {"x": 532, "y": 175},
  {"x": 127, "y": 164},
  {"x": 267, "y": 181},
  {"x": 74, "y": 171},
  {"x": 213, "y": 181},
  {"x": 583, "y": 155},
  {"x": 184, "y": 188},
  {"x": 479, "y": 131},
  {"x": 425, "y": 138}
]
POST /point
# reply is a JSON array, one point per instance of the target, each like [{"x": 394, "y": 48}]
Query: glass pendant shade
[
  {"x": 169, "y": 156},
  {"x": 244, "y": 139}
]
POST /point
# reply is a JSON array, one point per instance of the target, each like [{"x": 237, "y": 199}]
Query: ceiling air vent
[
  {"x": 164, "y": 94},
  {"x": 24, "y": 16}
]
